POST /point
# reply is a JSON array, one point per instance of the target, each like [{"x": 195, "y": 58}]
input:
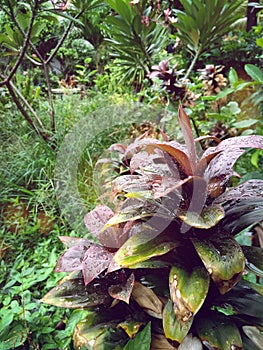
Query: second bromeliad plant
[{"x": 166, "y": 268}]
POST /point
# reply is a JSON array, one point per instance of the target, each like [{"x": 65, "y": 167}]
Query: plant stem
[{"x": 192, "y": 64}]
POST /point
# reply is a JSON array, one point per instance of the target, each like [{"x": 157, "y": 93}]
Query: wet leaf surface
[
  {"x": 173, "y": 328},
  {"x": 72, "y": 293},
  {"x": 141, "y": 341},
  {"x": 122, "y": 291},
  {"x": 218, "y": 331},
  {"x": 208, "y": 218},
  {"x": 223, "y": 259},
  {"x": 254, "y": 256},
  {"x": 96, "y": 260},
  {"x": 146, "y": 244},
  {"x": 188, "y": 290},
  {"x": 72, "y": 259}
]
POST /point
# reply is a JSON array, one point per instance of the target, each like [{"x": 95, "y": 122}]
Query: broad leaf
[
  {"x": 160, "y": 342},
  {"x": 173, "y": 328},
  {"x": 96, "y": 260},
  {"x": 73, "y": 241},
  {"x": 145, "y": 245},
  {"x": 246, "y": 302},
  {"x": 254, "y": 256},
  {"x": 255, "y": 335},
  {"x": 141, "y": 341},
  {"x": 208, "y": 218},
  {"x": 188, "y": 290},
  {"x": 122, "y": 291},
  {"x": 102, "y": 336},
  {"x": 72, "y": 293},
  {"x": 179, "y": 156},
  {"x": 147, "y": 300},
  {"x": 220, "y": 169},
  {"x": 251, "y": 141},
  {"x": 95, "y": 221},
  {"x": 130, "y": 327},
  {"x": 254, "y": 72},
  {"x": 191, "y": 343},
  {"x": 248, "y": 189},
  {"x": 218, "y": 331},
  {"x": 241, "y": 214},
  {"x": 72, "y": 259},
  {"x": 188, "y": 135},
  {"x": 223, "y": 259}
]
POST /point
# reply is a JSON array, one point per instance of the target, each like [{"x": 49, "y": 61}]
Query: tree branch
[{"x": 24, "y": 47}]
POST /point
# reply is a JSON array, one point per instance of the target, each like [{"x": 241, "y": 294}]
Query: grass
[
  {"x": 45, "y": 194},
  {"x": 32, "y": 217}
]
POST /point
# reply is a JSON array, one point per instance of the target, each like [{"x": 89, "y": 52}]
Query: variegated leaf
[
  {"x": 223, "y": 259},
  {"x": 175, "y": 329},
  {"x": 188, "y": 290}
]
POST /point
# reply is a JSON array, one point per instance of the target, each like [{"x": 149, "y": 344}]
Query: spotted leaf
[
  {"x": 223, "y": 259},
  {"x": 188, "y": 290}
]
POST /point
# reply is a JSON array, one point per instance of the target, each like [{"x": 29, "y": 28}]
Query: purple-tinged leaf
[
  {"x": 72, "y": 241},
  {"x": 118, "y": 147},
  {"x": 248, "y": 189},
  {"x": 71, "y": 259},
  {"x": 138, "y": 145},
  {"x": 72, "y": 293},
  {"x": 220, "y": 170},
  {"x": 178, "y": 155},
  {"x": 241, "y": 214},
  {"x": 188, "y": 135},
  {"x": 96, "y": 220},
  {"x": 207, "y": 137},
  {"x": 122, "y": 291},
  {"x": 251, "y": 141},
  {"x": 96, "y": 260},
  {"x": 195, "y": 192},
  {"x": 131, "y": 183},
  {"x": 204, "y": 162}
]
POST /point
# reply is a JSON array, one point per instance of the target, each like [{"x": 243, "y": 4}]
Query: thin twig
[{"x": 24, "y": 112}]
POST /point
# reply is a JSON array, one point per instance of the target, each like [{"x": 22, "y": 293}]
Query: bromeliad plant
[{"x": 166, "y": 270}]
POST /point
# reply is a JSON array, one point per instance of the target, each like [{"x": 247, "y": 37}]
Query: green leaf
[
  {"x": 218, "y": 331},
  {"x": 255, "y": 335},
  {"x": 188, "y": 290},
  {"x": 254, "y": 262},
  {"x": 254, "y": 72},
  {"x": 141, "y": 341},
  {"x": 103, "y": 336},
  {"x": 173, "y": 328},
  {"x": 15, "y": 337},
  {"x": 142, "y": 246},
  {"x": 72, "y": 293},
  {"x": 245, "y": 123},
  {"x": 208, "y": 218},
  {"x": 223, "y": 259},
  {"x": 233, "y": 77},
  {"x": 130, "y": 327}
]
